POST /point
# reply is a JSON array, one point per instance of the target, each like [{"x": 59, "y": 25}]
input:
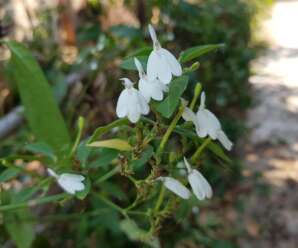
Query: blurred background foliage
[{"x": 90, "y": 40}]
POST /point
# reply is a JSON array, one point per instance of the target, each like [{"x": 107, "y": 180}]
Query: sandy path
[{"x": 271, "y": 215}]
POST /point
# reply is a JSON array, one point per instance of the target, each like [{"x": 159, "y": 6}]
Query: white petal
[
  {"x": 208, "y": 123},
  {"x": 157, "y": 89},
  {"x": 127, "y": 82},
  {"x": 172, "y": 61},
  {"x": 151, "y": 65},
  {"x": 52, "y": 173},
  {"x": 121, "y": 109},
  {"x": 144, "y": 89},
  {"x": 224, "y": 140},
  {"x": 199, "y": 185},
  {"x": 157, "y": 67},
  {"x": 152, "y": 33},
  {"x": 133, "y": 106},
  {"x": 144, "y": 107},
  {"x": 187, "y": 165},
  {"x": 203, "y": 99},
  {"x": 189, "y": 115},
  {"x": 176, "y": 187},
  {"x": 134, "y": 116},
  {"x": 71, "y": 182},
  {"x": 139, "y": 67},
  {"x": 151, "y": 89}
]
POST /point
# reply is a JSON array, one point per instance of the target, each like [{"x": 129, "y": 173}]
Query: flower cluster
[
  {"x": 161, "y": 65},
  {"x": 132, "y": 103}
]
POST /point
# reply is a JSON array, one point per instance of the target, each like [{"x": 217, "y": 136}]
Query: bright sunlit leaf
[{"x": 117, "y": 144}]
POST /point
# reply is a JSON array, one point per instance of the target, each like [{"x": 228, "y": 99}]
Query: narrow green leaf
[
  {"x": 197, "y": 51},
  {"x": 41, "y": 148},
  {"x": 129, "y": 64},
  {"x": 105, "y": 157},
  {"x": 102, "y": 130},
  {"x": 41, "y": 109},
  {"x": 83, "y": 153},
  {"x": 16, "y": 223},
  {"x": 8, "y": 174},
  {"x": 168, "y": 106},
  {"x": 117, "y": 144},
  {"x": 144, "y": 51},
  {"x": 20, "y": 230}
]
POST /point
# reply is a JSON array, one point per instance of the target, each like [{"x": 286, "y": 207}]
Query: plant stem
[
  {"x": 160, "y": 199},
  {"x": 112, "y": 204},
  {"x": 198, "y": 152},
  {"x": 170, "y": 129},
  {"x": 198, "y": 89},
  {"x": 79, "y": 135},
  {"x": 108, "y": 175},
  {"x": 33, "y": 203}
]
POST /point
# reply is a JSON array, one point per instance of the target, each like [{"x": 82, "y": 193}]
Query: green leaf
[
  {"x": 106, "y": 156},
  {"x": 130, "y": 228},
  {"x": 83, "y": 153},
  {"x": 217, "y": 150},
  {"x": 197, "y": 51},
  {"x": 129, "y": 64},
  {"x": 102, "y": 130},
  {"x": 41, "y": 109},
  {"x": 146, "y": 155},
  {"x": 125, "y": 31},
  {"x": 212, "y": 146},
  {"x": 114, "y": 190},
  {"x": 169, "y": 105},
  {"x": 82, "y": 194},
  {"x": 16, "y": 223},
  {"x": 117, "y": 144},
  {"x": 41, "y": 148},
  {"x": 144, "y": 51},
  {"x": 20, "y": 230},
  {"x": 8, "y": 174}
]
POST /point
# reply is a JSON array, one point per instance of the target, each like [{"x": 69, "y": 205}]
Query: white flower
[
  {"x": 69, "y": 182},
  {"x": 206, "y": 123},
  {"x": 198, "y": 183},
  {"x": 175, "y": 186},
  {"x": 161, "y": 63},
  {"x": 131, "y": 103},
  {"x": 149, "y": 88}
]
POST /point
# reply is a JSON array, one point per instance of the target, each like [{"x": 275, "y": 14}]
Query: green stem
[
  {"x": 170, "y": 129},
  {"x": 79, "y": 135},
  {"x": 112, "y": 204},
  {"x": 197, "y": 93},
  {"x": 108, "y": 175},
  {"x": 160, "y": 199},
  {"x": 200, "y": 149},
  {"x": 33, "y": 203}
]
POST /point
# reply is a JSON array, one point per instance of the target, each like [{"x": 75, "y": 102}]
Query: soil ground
[{"x": 270, "y": 215}]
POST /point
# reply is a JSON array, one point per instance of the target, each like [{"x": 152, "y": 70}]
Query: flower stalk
[
  {"x": 200, "y": 149},
  {"x": 170, "y": 129}
]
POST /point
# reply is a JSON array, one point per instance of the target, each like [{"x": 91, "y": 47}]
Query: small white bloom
[
  {"x": 161, "y": 63},
  {"x": 71, "y": 183},
  {"x": 175, "y": 186},
  {"x": 206, "y": 123},
  {"x": 131, "y": 103},
  {"x": 198, "y": 183},
  {"x": 149, "y": 88}
]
